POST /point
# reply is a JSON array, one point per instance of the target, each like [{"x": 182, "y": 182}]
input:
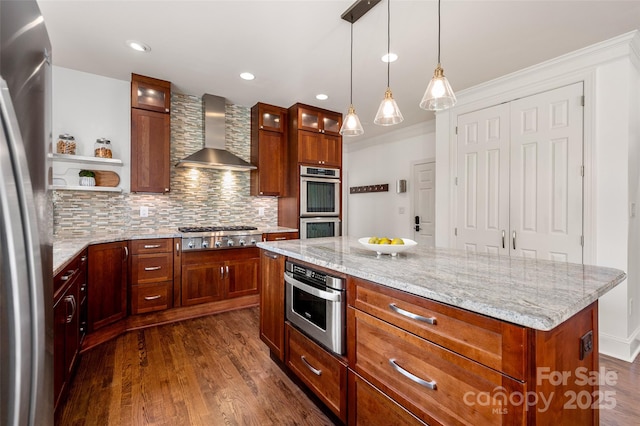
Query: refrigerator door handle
[{"x": 23, "y": 260}]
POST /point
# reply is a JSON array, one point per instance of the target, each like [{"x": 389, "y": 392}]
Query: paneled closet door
[
  {"x": 483, "y": 180},
  {"x": 546, "y": 175}
]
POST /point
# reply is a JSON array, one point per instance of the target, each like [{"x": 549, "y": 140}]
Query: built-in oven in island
[{"x": 316, "y": 304}]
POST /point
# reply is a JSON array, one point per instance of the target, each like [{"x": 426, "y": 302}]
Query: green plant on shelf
[{"x": 86, "y": 173}]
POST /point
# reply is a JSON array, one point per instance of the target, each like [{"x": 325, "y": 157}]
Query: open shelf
[
  {"x": 86, "y": 188},
  {"x": 82, "y": 159}
]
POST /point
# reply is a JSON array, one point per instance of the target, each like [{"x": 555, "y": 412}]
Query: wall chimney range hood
[{"x": 214, "y": 155}]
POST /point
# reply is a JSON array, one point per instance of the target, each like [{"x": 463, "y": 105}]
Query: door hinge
[
  {"x": 582, "y": 171},
  {"x": 582, "y": 240},
  {"x": 456, "y": 130},
  {"x": 455, "y": 231},
  {"x": 582, "y": 100},
  {"x": 455, "y": 181}
]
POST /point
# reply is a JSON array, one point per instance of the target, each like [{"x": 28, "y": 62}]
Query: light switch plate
[{"x": 144, "y": 211}]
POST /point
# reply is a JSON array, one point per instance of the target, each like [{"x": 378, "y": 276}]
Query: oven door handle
[{"x": 332, "y": 297}]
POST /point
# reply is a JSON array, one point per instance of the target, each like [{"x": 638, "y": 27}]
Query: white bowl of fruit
[{"x": 385, "y": 245}]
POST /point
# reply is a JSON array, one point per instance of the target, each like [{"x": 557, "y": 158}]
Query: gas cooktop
[{"x": 216, "y": 228}]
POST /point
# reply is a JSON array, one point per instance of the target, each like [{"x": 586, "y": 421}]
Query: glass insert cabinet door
[
  {"x": 319, "y": 121},
  {"x": 150, "y": 94},
  {"x": 271, "y": 119}
]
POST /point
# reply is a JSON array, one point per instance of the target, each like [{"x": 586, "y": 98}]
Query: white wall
[
  {"x": 611, "y": 79},
  {"x": 380, "y": 160},
  {"x": 89, "y": 107}
]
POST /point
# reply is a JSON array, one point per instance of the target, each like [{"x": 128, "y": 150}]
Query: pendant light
[
  {"x": 351, "y": 125},
  {"x": 439, "y": 94},
  {"x": 388, "y": 111}
]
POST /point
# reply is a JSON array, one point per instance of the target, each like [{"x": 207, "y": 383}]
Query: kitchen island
[{"x": 515, "y": 340}]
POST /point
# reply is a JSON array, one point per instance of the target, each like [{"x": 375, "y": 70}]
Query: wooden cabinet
[
  {"x": 268, "y": 149},
  {"x": 209, "y": 275},
  {"x": 107, "y": 284},
  {"x": 315, "y": 135},
  {"x": 272, "y": 302},
  {"x": 280, "y": 236},
  {"x": 438, "y": 362},
  {"x": 318, "y": 120},
  {"x": 151, "y": 275},
  {"x": 323, "y": 373},
  {"x": 66, "y": 319},
  {"x": 150, "y": 134},
  {"x": 319, "y": 148}
]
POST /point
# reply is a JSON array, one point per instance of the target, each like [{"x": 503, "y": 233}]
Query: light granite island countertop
[{"x": 539, "y": 294}]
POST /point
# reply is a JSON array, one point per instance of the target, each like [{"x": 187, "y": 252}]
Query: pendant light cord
[
  {"x": 438, "y": 32},
  {"x": 351, "y": 67},
  {"x": 388, "y": 40}
]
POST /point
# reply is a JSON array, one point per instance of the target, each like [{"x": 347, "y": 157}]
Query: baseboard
[{"x": 624, "y": 349}]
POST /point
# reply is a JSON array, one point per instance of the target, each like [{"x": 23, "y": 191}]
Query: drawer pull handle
[
  {"x": 152, "y": 268},
  {"x": 272, "y": 256},
  {"x": 68, "y": 275},
  {"x": 431, "y": 385},
  {"x": 280, "y": 238},
  {"x": 156, "y": 297},
  {"x": 150, "y": 246},
  {"x": 313, "y": 370},
  {"x": 411, "y": 315}
]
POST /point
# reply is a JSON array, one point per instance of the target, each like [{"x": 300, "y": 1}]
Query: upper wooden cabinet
[
  {"x": 268, "y": 149},
  {"x": 150, "y": 93},
  {"x": 318, "y": 120},
  {"x": 315, "y": 136},
  {"x": 150, "y": 134}
]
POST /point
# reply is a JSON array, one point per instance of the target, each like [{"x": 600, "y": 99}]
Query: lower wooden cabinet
[
  {"x": 272, "y": 302},
  {"x": 152, "y": 272},
  {"x": 66, "y": 328},
  {"x": 368, "y": 406},
  {"x": 212, "y": 275},
  {"x": 323, "y": 373},
  {"x": 107, "y": 284}
]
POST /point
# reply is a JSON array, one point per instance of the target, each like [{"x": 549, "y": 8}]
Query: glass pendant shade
[
  {"x": 351, "y": 125},
  {"x": 439, "y": 94},
  {"x": 388, "y": 111}
]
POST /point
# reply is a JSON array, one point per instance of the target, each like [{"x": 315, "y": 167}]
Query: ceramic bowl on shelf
[{"x": 392, "y": 249}]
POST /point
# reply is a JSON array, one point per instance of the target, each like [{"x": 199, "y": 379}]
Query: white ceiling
[{"x": 298, "y": 49}]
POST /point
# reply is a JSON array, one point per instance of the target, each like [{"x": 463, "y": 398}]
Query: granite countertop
[
  {"x": 533, "y": 293},
  {"x": 66, "y": 248}
]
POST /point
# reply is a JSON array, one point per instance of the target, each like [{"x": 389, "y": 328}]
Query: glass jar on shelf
[
  {"x": 66, "y": 144},
  {"x": 102, "y": 148}
]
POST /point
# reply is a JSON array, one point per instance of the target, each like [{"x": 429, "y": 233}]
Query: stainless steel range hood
[{"x": 214, "y": 155}]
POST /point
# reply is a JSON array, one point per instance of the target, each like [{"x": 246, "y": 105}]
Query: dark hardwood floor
[{"x": 215, "y": 371}]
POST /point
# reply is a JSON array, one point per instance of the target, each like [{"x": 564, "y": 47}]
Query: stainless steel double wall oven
[{"x": 319, "y": 202}]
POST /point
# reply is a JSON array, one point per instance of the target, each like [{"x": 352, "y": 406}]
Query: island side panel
[{"x": 568, "y": 384}]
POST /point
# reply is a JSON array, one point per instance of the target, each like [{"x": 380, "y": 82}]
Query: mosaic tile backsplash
[{"x": 197, "y": 196}]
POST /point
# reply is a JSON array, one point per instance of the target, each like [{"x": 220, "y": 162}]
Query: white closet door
[
  {"x": 546, "y": 176},
  {"x": 424, "y": 195},
  {"x": 483, "y": 180}
]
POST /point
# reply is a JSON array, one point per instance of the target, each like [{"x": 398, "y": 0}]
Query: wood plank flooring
[{"x": 215, "y": 371}]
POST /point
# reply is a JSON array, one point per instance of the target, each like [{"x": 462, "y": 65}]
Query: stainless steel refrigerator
[{"x": 26, "y": 329}]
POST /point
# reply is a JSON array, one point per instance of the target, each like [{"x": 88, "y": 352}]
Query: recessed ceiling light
[
  {"x": 138, "y": 46},
  {"x": 322, "y": 97},
  {"x": 389, "y": 57},
  {"x": 247, "y": 76}
]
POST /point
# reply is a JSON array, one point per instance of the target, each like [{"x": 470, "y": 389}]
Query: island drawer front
[
  {"x": 158, "y": 245},
  {"x": 494, "y": 343},
  {"x": 329, "y": 381},
  {"x": 150, "y": 297},
  {"x": 385, "y": 355},
  {"x": 148, "y": 268},
  {"x": 368, "y": 406}
]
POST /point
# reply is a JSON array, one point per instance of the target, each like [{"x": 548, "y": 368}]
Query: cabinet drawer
[
  {"x": 280, "y": 236},
  {"x": 320, "y": 371},
  {"x": 435, "y": 384},
  {"x": 496, "y": 344},
  {"x": 161, "y": 245},
  {"x": 368, "y": 406},
  {"x": 148, "y": 268},
  {"x": 150, "y": 297}
]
